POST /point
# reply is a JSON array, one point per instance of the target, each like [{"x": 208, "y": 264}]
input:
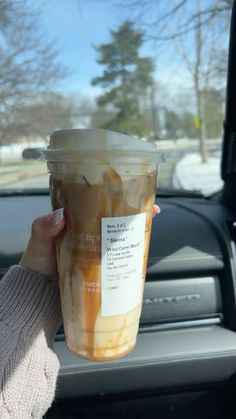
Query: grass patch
[{"x": 21, "y": 170}]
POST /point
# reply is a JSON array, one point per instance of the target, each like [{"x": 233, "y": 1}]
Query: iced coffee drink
[{"x": 106, "y": 182}]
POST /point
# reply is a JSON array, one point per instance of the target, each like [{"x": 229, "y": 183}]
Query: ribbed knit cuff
[{"x": 30, "y": 302}]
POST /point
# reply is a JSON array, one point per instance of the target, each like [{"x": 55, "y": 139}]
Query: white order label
[{"x": 122, "y": 263}]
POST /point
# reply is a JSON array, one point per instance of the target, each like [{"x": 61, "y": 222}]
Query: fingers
[
  {"x": 48, "y": 226},
  {"x": 40, "y": 253},
  {"x": 156, "y": 210}
]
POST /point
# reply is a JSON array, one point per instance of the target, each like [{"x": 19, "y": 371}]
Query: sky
[
  {"x": 74, "y": 28},
  {"x": 76, "y": 25}
]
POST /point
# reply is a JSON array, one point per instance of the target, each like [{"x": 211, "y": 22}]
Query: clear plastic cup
[{"x": 106, "y": 183}]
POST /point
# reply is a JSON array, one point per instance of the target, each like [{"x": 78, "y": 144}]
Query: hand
[
  {"x": 40, "y": 254},
  {"x": 156, "y": 210}
]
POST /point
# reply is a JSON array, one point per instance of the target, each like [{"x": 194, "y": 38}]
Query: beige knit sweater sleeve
[{"x": 29, "y": 318}]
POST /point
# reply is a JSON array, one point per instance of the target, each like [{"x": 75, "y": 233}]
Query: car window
[{"x": 153, "y": 70}]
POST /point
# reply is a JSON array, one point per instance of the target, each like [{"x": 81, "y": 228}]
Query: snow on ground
[
  {"x": 13, "y": 152},
  {"x": 190, "y": 173}
]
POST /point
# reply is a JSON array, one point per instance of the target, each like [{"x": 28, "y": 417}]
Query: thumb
[
  {"x": 40, "y": 254},
  {"x": 45, "y": 228},
  {"x": 156, "y": 210}
]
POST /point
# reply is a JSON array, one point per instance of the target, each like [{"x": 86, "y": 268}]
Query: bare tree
[
  {"x": 39, "y": 119},
  {"x": 199, "y": 67},
  {"x": 49, "y": 111},
  {"x": 199, "y": 31},
  {"x": 28, "y": 63},
  {"x": 197, "y": 83},
  {"x": 159, "y": 17},
  {"x": 202, "y": 62}
]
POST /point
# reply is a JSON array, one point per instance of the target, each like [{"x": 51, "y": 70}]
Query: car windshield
[{"x": 153, "y": 70}]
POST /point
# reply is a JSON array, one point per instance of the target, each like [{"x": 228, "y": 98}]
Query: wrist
[
  {"x": 40, "y": 257},
  {"x": 29, "y": 302}
]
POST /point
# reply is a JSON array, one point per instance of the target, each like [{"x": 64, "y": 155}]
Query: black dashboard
[{"x": 188, "y": 323}]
